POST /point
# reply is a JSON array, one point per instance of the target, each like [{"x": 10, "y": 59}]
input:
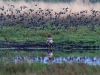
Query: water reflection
[{"x": 45, "y": 60}]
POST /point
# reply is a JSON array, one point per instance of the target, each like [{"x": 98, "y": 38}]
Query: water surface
[{"x": 46, "y": 60}]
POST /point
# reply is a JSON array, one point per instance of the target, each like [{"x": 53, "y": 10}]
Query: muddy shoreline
[{"x": 42, "y": 45}]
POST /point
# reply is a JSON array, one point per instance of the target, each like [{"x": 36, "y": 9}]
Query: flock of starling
[{"x": 47, "y": 18}]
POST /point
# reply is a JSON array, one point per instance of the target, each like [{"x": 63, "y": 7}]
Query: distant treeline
[{"x": 93, "y": 1}]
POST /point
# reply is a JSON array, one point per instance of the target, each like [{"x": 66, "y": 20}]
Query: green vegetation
[
  {"x": 83, "y": 34},
  {"x": 48, "y": 69}
]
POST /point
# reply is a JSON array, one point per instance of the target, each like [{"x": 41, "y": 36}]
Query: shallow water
[{"x": 45, "y": 60}]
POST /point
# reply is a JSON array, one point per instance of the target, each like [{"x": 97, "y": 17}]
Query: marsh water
[
  {"x": 57, "y": 47},
  {"x": 46, "y": 60}
]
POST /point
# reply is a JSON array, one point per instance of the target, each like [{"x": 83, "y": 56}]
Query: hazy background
[
  {"x": 56, "y": 5},
  {"x": 75, "y": 7},
  {"x": 93, "y": 1}
]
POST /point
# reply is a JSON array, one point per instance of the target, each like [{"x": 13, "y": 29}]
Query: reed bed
[{"x": 38, "y": 15}]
